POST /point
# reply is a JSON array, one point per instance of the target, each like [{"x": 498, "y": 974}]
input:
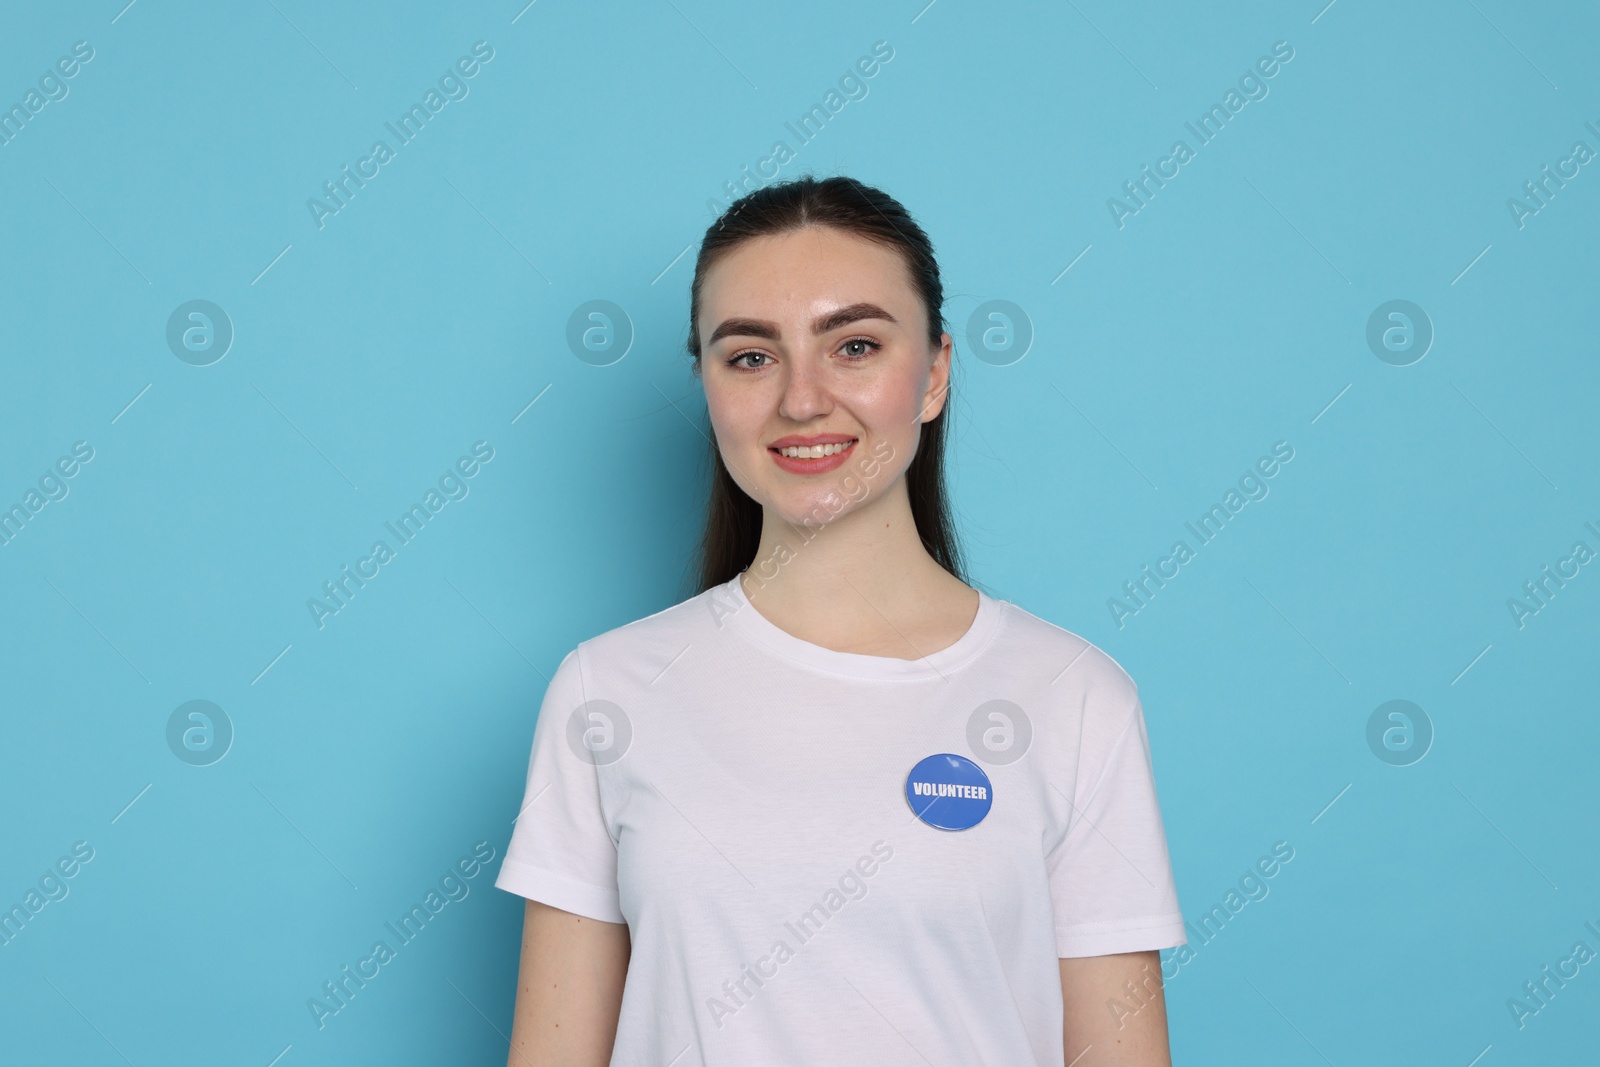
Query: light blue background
[{"x": 1228, "y": 314}]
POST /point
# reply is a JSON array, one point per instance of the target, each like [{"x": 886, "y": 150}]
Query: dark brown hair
[{"x": 733, "y": 520}]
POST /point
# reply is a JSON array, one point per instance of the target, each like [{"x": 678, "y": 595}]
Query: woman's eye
[
  {"x": 854, "y": 350},
  {"x": 736, "y": 361}
]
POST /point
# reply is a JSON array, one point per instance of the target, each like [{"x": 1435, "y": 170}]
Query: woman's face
[{"x": 816, "y": 338}]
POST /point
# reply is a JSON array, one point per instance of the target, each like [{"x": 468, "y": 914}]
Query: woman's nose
[{"x": 805, "y": 390}]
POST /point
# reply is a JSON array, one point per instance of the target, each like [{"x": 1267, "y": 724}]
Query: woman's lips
[{"x": 812, "y": 466}]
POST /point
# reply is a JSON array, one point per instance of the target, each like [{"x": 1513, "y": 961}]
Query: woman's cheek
[
  {"x": 898, "y": 414},
  {"x": 735, "y": 432}
]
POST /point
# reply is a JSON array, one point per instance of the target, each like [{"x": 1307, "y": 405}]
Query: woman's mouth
[{"x": 812, "y": 459}]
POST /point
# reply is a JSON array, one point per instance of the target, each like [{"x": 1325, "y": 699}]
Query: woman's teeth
[{"x": 814, "y": 451}]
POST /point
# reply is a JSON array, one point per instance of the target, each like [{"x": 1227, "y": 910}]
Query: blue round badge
[{"x": 949, "y": 792}]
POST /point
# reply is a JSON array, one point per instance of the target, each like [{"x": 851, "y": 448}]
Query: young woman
[{"x": 840, "y": 807}]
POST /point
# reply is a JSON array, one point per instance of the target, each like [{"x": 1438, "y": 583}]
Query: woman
[{"x": 840, "y": 807}]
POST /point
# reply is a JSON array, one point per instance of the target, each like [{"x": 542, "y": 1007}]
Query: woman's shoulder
[
  {"x": 645, "y": 640},
  {"x": 1076, "y": 659}
]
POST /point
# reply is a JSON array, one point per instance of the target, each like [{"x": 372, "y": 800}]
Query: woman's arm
[
  {"x": 1115, "y": 1011},
  {"x": 569, "y": 989}
]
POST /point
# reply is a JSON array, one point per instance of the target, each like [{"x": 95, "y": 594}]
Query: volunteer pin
[{"x": 949, "y": 792}]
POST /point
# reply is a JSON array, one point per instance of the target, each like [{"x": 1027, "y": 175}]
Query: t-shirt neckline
[{"x": 749, "y": 622}]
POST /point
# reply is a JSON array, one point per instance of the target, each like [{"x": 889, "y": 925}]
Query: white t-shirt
[{"x": 743, "y": 800}]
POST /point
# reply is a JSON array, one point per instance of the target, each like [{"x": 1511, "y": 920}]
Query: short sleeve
[
  {"x": 561, "y": 852},
  {"x": 1111, "y": 881}
]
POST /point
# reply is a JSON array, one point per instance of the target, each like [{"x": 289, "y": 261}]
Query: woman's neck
[{"x": 863, "y": 582}]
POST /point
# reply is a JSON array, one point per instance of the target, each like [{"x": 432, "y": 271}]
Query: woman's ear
[{"x": 938, "y": 381}]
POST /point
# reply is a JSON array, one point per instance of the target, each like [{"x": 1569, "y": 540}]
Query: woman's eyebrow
[
  {"x": 738, "y": 327},
  {"x": 846, "y": 315}
]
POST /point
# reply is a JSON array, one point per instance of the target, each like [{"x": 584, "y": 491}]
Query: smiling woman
[
  {"x": 696, "y": 775},
  {"x": 850, "y": 238}
]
